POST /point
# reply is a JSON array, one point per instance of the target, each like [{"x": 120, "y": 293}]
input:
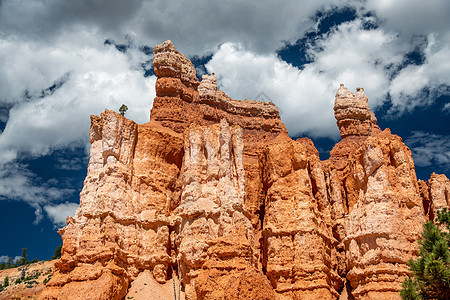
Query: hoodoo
[{"x": 213, "y": 191}]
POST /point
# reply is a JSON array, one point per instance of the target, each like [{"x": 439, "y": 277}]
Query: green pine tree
[
  {"x": 9, "y": 263},
  {"x": 23, "y": 258},
  {"x": 57, "y": 253},
  {"x": 431, "y": 270},
  {"x": 123, "y": 109}
]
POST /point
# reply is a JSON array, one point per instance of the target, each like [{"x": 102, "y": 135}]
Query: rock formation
[
  {"x": 297, "y": 229},
  {"x": 214, "y": 191},
  {"x": 30, "y": 287}
]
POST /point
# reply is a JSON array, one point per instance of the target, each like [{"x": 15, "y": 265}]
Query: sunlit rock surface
[{"x": 213, "y": 191}]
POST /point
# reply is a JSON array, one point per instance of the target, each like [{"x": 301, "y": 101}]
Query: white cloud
[
  {"x": 4, "y": 258},
  {"x": 243, "y": 74},
  {"x": 412, "y": 17},
  {"x": 59, "y": 213},
  {"x": 94, "y": 77},
  {"x": 99, "y": 78},
  {"x": 196, "y": 26},
  {"x": 446, "y": 108},
  {"x": 407, "y": 87},
  {"x": 349, "y": 55},
  {"x": 430, "y": 149},
  {"x": 18, "y": 183},
  {"x": 43, "y": 41}
]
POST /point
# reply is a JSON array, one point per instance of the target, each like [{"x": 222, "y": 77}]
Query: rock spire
[{"x": 213, "y": 191}]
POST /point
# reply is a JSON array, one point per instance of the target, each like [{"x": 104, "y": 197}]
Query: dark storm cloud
[
  {"x": 45, "y": 20},
  {"x": 195, "y": 26}
]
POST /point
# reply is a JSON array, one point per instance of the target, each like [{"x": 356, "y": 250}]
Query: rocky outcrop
[
  {"x": 214, "y": 191},
  {"x": 298, "y": 239},
  {"x": 435, "y": 194},
  {"x": 383, "y": 209},
  {"x": 352, "y": 113},
  {"x": 122, "y": 224},
  {"x": 181, "y": 100},
  {"x": 382, "y": 227},
  {"x": 30, "y": 286},
  {"x": 215, "y": 234}
]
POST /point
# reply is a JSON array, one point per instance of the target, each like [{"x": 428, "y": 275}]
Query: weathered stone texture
[
  {"x": 181, "y": 100},
  {"x": 122, "y": 224},
  {"x": 352, "y": 113},
  {"x": 383, "y": 225},
  {"x": 215, "y": 231},
  {"x": 214, "y": 189},
  {"x": 298, "y": 237}
]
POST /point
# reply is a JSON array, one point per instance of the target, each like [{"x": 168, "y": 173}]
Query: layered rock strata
[
  {"x": 215, "y": 234},
  {"x": 214, "y": 191},
  {"x": 182, "y": 100},
  {"x": 298, "y": 239},
  {"x": 382, "y": 227},
  {"x": 383, "y": 208},
  {"x": 122, "y": 224}
]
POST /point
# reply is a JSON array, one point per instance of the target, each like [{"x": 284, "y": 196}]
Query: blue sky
[{"x": 62, "y": 61}]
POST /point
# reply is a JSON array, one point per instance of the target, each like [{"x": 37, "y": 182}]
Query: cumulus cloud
[
  {"x": 349, "y": 54},
  {"x": 59, "y": 213},
  {"x": 18, "y": 183},
  {"x": 196, "y": 26},
  {"x": 419, "y": 85},
  {"x": 430, "y": 149},
  {"x": 56, "y": 70},
  {"x": 412, "y": 17},
  {"x": 99, "y": 78},
  {"x": 50, "y": 90}
]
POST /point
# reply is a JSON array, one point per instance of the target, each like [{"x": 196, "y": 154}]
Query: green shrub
[
  {"x": 431, "y": 270},
  {"x": 47, "y": 280},
  {"x": 57, "y": 253}
]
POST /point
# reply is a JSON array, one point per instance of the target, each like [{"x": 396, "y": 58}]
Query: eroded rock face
[
  {"x": 352, "y": 113},
  {"x": 439, "y": 191},
  {"x": 383, "y": 209},
  {"x": 181, "y": 100},
  {"x": 122, "y": 224},
  {"x": 298, "y": 238},
  {"x": 385, "y": 222},
  {"x": 216, "y": 236},
  {"x": 213, "y": 189},
  {"x": 435, "y": 194}
]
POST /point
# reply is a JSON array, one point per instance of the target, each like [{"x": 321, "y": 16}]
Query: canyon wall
[{"x": 213, "y": 191}]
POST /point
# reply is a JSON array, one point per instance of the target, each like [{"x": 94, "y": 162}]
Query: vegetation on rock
[
  {"x": 57, "y": 253},
  {"x": 431, "y": 270},
  {"x": 22, "y": 261},
  {"x": 123, "y": 109}
]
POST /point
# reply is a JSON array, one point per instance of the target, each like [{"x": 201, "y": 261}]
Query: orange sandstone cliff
[{"x": 213, "y": 191}]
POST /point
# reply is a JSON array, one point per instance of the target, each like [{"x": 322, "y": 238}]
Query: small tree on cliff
[
  {"x": 23, "y": 258},
  {"x": 57, "y": 253},
  {"x": 123, "y": 109},
  {"x": 431, "y": 270}
]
